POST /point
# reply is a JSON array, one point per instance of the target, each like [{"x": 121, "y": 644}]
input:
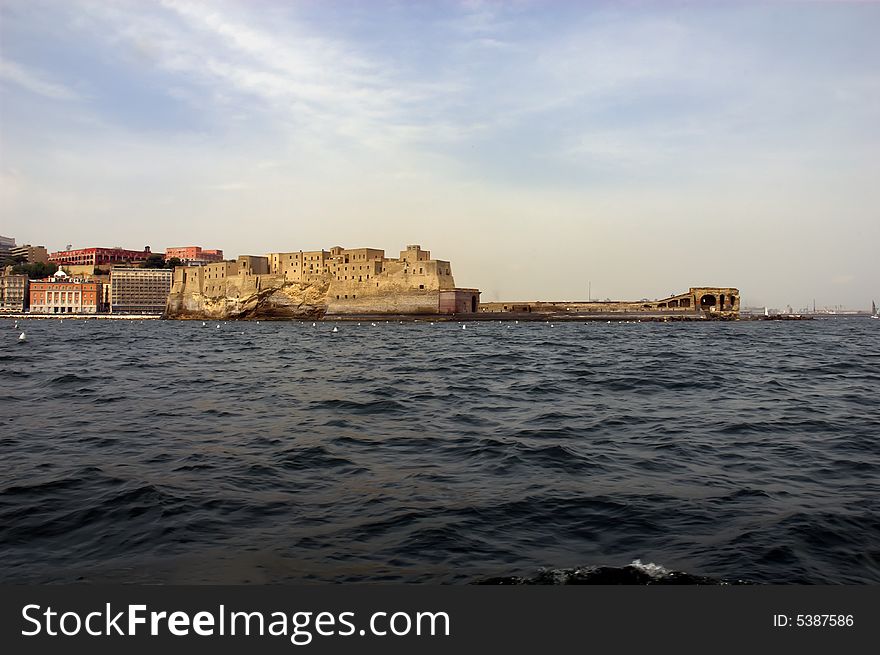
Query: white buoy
[
  {"x": 204, "y": 324},
  {"x": 432, "y": 322},
  {"x": 551, "y": 325},
  {"x": 463, "y": 327},
  {"x": 313, "y": 325},
  {"x": 218, "y": 326},
  {"x": 373, "y": 324},
  {"x": 21, "y": 337},
  {"x": 336, "y": 329}
]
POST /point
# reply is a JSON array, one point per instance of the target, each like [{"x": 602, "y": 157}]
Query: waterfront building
[
  {"x": 6, "y": 246},
  {"x": 61, "y": 294},
  {"x": 194, "y": 255},
  {"x": 13, "y": 292},
  {"x": 99, "y": 256},
  {"x": 139, "y": 290},
  {"x": 29, "y": 254}
]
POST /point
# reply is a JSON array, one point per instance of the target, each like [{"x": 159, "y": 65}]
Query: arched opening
[
  {"x": 708, "y": 300},
  {"x": 473, "y": 304},
  {"x": 733, "y": 302}
]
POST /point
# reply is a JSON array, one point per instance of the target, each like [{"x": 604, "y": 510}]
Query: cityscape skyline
[
  {"x": 544, "y": 147},
  {"x": 788, "y": 307}
]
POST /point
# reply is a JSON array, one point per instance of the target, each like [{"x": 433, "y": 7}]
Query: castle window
[{"x": 421, "y": 286}]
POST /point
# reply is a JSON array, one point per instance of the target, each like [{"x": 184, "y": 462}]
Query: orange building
[
  {"x": 194, "y": 255},
  {"x": 61, "y": 294}
]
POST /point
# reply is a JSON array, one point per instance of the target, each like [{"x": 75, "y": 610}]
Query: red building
[
  {"x": 98, "y": 256},
  {"x": 61, "y": 294},
  {"x": 194, "y": 254}
]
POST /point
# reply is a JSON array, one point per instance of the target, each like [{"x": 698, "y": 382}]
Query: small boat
[{"x": 22, "y": 337}]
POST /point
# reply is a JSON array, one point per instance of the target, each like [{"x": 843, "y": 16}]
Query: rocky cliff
[{"x": 274, "y": 298}]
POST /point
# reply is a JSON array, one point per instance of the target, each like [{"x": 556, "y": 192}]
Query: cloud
[
  {"x": 313, "y": 86},
  {"x": 34, "y": 82}
]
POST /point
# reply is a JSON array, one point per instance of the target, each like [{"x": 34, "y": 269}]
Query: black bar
[{"x": 684, "y": 619}]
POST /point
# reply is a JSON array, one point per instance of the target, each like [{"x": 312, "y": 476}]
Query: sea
[{"x": 418, "y": 452}]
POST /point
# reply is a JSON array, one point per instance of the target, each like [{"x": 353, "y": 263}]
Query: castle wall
[
  {"x": 402, "y": 302},
  {"x": 338, "y": 281}
]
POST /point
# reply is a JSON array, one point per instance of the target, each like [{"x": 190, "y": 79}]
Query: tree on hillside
[
  {"x": 174, "y": 261},
  {"x": 35, "y": 271},
  {"x": 154, "y": 261}
]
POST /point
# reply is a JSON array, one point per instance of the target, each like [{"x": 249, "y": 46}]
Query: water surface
[{"x": 165, "y": 451}]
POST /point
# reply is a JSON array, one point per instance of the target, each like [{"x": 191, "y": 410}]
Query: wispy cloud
[
  {"x": 311, "y": 83},
  {"x": 34, "y": 81}
]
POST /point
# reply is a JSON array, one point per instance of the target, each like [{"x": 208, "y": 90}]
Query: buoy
[
  {"x": 21, "y": 337},
  {"x": 204, "y": 324},
  {"x": 336, "y": 329},
  {"x": 218, "y": 326},
  {"x": 313, "y": 325},
  {"x": 551, "y": 325},
  {"x": 463, "y": 327},
  {"x": 432, "y": 322},
  {"x": 373, "y": 324}
]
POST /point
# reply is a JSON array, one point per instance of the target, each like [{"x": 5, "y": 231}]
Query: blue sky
[{"x": 641, "y": 146}]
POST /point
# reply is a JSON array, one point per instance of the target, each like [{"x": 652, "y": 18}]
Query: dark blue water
[{"x": 162, "y": 451}]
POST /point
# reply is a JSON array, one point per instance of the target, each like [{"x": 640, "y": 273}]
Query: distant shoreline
[
  {"x": 485, "y": 317},
  {"x": 115, "y": 317}
]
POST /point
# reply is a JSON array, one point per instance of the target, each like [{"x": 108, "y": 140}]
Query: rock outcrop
[{"x": 274, "y": 299}]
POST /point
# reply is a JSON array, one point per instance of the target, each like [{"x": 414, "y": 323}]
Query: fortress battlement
[{"x": 316, "y": 283}]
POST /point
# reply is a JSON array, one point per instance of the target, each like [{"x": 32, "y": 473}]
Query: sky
[{"x": 545, "y": 148}]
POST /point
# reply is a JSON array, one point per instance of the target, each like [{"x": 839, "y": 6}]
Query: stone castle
[{"x": 319, "y": 283}]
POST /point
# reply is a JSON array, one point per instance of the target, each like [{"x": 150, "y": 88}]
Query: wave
[{"x": 635, "y": 573}]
